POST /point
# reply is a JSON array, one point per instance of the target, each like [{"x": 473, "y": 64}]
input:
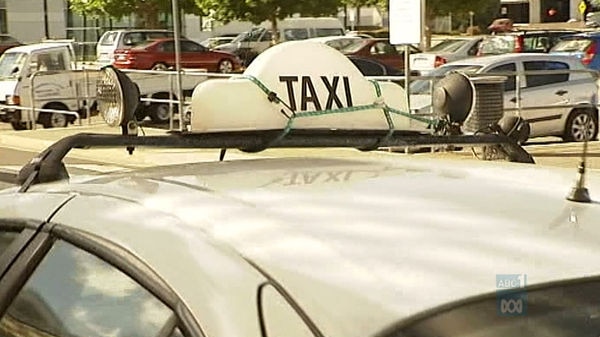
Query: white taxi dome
[{"x": 316, "y": 82}]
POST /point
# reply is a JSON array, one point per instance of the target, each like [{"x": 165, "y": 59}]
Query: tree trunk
[
  {"x": 275, "y": 38},
  {"x": 149, "y": 14}
]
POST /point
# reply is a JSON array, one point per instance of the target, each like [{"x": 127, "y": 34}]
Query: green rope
[{"x": 379, "y": 104}]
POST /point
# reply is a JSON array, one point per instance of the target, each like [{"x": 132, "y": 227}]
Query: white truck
[{"x": 41, "y": 83}]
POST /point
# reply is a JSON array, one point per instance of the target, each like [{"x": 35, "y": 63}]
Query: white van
[
  {"x": 249, "y": 44},
  {"x": 125, "y": 38}
]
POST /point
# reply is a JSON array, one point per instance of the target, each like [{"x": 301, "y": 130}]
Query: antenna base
[{"x": 579, "y": 194}]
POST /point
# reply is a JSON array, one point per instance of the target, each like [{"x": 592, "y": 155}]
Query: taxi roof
[{"x": 424, "y": 232}]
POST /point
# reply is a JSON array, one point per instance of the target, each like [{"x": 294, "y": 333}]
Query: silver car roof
[{"x": 359, "y": 243}]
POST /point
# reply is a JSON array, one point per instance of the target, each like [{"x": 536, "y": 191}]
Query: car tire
[
  {"x": 19, "y": 126},
  {"x": 54, "y": 120},
  {"x": 160, "y": 67},
  {"x": 225, "y": 66},
  {"x": 159, "y": 113},
  {"x": 575, "y": 125}
]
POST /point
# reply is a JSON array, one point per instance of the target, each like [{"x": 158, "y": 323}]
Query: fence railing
[{"x": 84, "y": 92}]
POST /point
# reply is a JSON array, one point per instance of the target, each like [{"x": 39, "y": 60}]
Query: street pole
[
  {"x": 46, "y": 28},
  {"x": 177, "y": 35}
]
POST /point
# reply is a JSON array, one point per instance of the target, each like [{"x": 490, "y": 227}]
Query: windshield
[
  {"x": 573, "y": 45},
  {"x": 497, "y": 45},
  {"x": 448, "y": 46},
  {"x": 354, "y": 46},
  {"x": 423, "y": 87},
  {"x": 11, "y": 61}
]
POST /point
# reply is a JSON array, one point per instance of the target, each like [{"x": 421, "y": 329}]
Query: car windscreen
[
  {"x": 423, "y": 86},
  {"x": 448, "y": 46},
  {"x": 497, "y": 45},
  {"x": 572, "y": 45},
  {"x": 11, "y": 64},
  {"x": 320, "y": 32},
  {"x": 566, "y": 310},
  {"x": 108, "y": 39},
  {"x": 354, "y": 47}
]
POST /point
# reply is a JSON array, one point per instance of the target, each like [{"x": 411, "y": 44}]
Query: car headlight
[{"x": 118, "y": 97}]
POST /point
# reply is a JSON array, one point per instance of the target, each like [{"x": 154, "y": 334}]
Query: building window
[{"x": 3, "y": 24}]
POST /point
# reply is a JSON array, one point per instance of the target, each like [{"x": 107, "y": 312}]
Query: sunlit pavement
[{"x": 546, "y": 151}]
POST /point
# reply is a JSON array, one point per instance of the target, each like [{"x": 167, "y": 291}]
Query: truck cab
[{"x": 40, "y": 83}]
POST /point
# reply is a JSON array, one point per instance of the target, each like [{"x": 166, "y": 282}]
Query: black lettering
[
  {"x": 347, "y": 91},
  {"x": 332, "y": 88},
  {"x": 290, "y": 89},
  {"x": 307, "y": 85}
]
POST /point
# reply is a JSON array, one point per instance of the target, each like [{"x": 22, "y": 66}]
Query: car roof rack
[{"x": 48, "y": 166}]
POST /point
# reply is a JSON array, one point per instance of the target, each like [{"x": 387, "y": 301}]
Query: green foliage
[
  {"x": 258, "y": 11},
  {"x": 121, "y": 8}
]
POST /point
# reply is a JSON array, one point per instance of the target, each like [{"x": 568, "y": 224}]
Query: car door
[
  {"x": 165, "y": 53},
  {"x": 543, "y": 96},
  {"x": 194, "y": 55},
  {"x": 508, "y": 70},
  {"x": 388, "y": 54},
  {"x": 68, "y": 283}
]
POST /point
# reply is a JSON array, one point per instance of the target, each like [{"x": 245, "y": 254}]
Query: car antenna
[{"x": 579, "y": 193}]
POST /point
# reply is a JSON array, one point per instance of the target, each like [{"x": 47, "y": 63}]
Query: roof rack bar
[{"x": 48, "y": 165}]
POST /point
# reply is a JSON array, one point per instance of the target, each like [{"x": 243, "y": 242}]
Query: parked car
[
  {"x": 213, "y": 42},
  {"x": 523, "y": 41},
  {"x": 7, "y": 42},
  {"x": 584, "y": 46},
  {"x": 378, "y": 49},
  {"x": 125, "y": 38},
  {"x": 574, "y": 94},
  {"x": 337, "y": 42},
  {"x": 445, "y": 51},
  {"x": 160, "y": 55}
]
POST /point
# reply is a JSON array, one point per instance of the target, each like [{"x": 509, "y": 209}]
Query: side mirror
[{"x": 15, "y": 70}]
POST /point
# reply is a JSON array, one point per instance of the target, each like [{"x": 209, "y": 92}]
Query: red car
[
  {"x": 380, "y": 50},
  {"x": 7, "y": 42},
  {"x": 160, "y": 55}
]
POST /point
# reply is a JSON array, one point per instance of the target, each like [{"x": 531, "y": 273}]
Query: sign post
[
  {"x": 406, "y": 29},
  {"x": 582, "y": 7}
]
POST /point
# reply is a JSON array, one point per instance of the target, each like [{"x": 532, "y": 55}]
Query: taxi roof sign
[{"x": 282, "y": 83}]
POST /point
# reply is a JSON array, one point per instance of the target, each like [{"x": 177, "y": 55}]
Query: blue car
[{"x": 583, "y": 45}]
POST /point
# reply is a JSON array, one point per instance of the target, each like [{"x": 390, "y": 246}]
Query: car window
[
  {"x": 448, "y": 46},
  {"x": 382, "y": 48},
  {"x": 189, "y": 46},
  {"x": 167, "y": 47},
  {"x": 158, "y": 35},
  {"x": 109, "y": 38},
  {"x": 423, "y": 86},
  {"x": 295, "y": 34},
  {"x": 572, "y": 45},
  {"x": 509, "y": 71},
  {"x": 566, "y": 310},
  {"x": 279, "y": 318},
  {"x": 535, "y": 80},
  {"x": 267, "y": 36},
  {"x": 48, "y": 61},
  {"x": 497, "y": 45},
  {"x": 11, "y": 64},
  {"x": 368, "y": 68},
  {"x": 73, "y": 293},
  {"x": 133, "y": 38},
  {"x": 319, "y": 32}
]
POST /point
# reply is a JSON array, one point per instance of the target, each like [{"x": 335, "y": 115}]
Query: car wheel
[
  {"x": 18, "y": 126},
  {"x": 225, "y": 66},
  {"x": 159, "y": 112},
  {"x": 581, "y": 125},
  {"x": 160, "y": 66},
  {"x": 54, "y": 119}
]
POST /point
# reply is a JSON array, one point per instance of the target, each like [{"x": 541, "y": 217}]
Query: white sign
[{"x": 405, "y": 21}]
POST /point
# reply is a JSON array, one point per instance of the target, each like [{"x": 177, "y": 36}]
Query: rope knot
[{"x": 379, "y": 102}]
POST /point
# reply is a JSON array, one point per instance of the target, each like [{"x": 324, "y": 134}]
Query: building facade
[{"x": 536, "y": 11}]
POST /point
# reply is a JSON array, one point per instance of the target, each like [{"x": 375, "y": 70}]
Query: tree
[
  {"x": 148, "y": 10},
  {"x": 257, "y": 11}
]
